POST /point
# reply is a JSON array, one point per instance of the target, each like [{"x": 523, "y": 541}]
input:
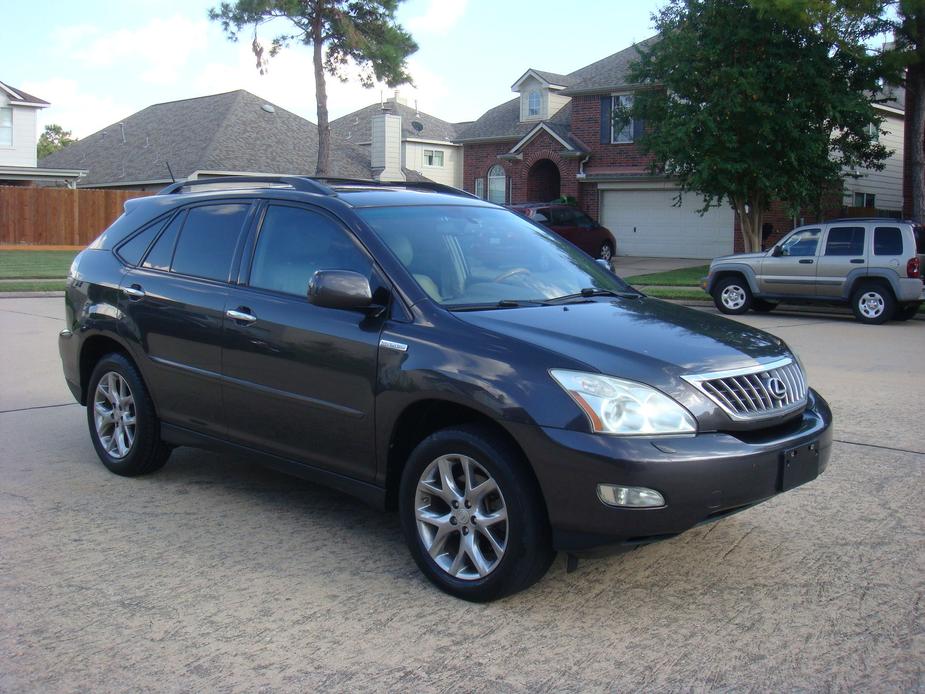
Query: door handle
[
  {"x": 857, "y": 261},
  {"x": 134, "y": 292},
  {"x": 241, "y": 314},
  {"x": 806, "y": 261}
]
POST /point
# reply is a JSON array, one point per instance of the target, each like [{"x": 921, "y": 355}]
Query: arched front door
[{"x": 543, "y": 181}]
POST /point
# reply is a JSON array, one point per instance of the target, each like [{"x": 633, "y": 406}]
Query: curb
[
  {"x": 787, "y": 310},
  {"x": 30, "y": 295}
]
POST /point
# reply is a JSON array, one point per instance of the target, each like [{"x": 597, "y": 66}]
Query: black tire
[
  {"x": 762, "y": 306},
  {"x": 147, "y": 452},
  {"x": 528, "y": 550},
  {"x": 873, "y": 303},
  {"x": 906, "y": 311},
  {"x": 728, "y": 288},
  {"x": 606, "y": 251}
]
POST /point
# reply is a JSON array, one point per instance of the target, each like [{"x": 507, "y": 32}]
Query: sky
[{"x": 98, "y": 61}]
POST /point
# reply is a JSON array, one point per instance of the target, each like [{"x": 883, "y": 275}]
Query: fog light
[{"x": 632, "y": 497}]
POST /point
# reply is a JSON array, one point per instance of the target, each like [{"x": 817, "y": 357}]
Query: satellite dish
[
  {"x": 268, "y": 108},
  {"x": 417, "y": 125}
]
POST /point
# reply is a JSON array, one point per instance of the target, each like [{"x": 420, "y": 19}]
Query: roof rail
[
  {"x": 422, "y": 185},
  {"x": 300, "y": 183}
]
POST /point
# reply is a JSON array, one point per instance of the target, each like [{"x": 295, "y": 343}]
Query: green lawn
[
  {"x": 686, "y": 277},
  {"x": 680, "y": 293},
  {"x": 35, "y": 264},
  {"x": 33, "y": 286}
]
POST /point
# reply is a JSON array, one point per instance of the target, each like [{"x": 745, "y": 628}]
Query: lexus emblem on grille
[{"x": 776, "y": 388}]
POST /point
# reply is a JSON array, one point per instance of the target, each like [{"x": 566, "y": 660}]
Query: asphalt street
[{"x": 218, "y": 575}]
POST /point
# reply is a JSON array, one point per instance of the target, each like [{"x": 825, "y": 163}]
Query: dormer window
[{"x": 534, "y": 99}]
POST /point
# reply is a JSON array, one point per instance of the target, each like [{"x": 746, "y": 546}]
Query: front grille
[{"x": 758, "y": 392}]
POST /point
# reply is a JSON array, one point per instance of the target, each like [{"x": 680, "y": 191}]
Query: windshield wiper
[
  {"x": 503, "y": 303},
  {"x": 588, "y": 292}
]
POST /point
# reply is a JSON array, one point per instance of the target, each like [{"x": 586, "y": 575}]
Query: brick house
[{"x": 557, "y": 138}]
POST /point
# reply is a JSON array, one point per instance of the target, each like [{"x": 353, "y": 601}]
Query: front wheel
[
  {"x": 606, "y": 252},
  {"x": 873, "y": 303},
  {"x": 472, "y": 515},
  {"x": 732, "y": 296},
  {"x": 123, "y": 426}
]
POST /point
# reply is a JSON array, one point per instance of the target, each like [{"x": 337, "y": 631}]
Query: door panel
[
  {"x": 794, "y": 272},
  {"x": 300, "y": 380},
  {"x": 844, "y": 251}
]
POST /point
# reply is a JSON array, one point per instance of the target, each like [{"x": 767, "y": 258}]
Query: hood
[
  {"x": 738, "y": 256},
  {"x": 642, "y": 339}
]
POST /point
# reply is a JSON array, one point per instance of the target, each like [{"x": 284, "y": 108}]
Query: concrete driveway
[{"x": 218, "y": 575}]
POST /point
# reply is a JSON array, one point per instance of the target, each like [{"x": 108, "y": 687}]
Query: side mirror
[
  {"x": 777, "y": 252},
  {"x": 340, "y": 289}
]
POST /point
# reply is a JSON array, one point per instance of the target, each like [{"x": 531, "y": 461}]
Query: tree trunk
[
  {"x": 321, "y": 98},
  {"x": 750, "y": 214},
  {"x": 915, "y": 111}
]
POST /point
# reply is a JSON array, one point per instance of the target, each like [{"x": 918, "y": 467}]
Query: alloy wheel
[
  {"x": 871, "y": 304},
  {"x": 733, "y": 297},
  {"x": 114, "y": 414},
  {"x": 461, "y": 517},
  {"x": 606, "y": 252}
]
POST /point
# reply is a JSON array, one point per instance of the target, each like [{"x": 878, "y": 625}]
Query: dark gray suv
[
  {"x": 875, "y": 265},
  {"x": 432, "y": 353}
]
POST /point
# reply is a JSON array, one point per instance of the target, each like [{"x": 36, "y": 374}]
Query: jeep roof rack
[
  {"x": 304, "y": 184},
  {"x": 421, "y": 185}
]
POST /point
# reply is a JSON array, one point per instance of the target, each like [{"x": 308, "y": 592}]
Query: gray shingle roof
[
  {"x": 220, "y": 132},
  {"x": 556, "y": 78},
  {"x": 357, "y": 126},
  {"x": 608, "y": 72},
  {"x": 19, "y": 96},
  {"x": 503, "y": 122}
]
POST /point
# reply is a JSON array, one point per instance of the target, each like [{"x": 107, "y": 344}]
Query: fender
[
  {"x": 862, "y": 274},
  {"x": 741, "y": 268}
]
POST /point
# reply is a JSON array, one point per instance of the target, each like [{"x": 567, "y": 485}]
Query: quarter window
[
  {"x": 132, "y": 250},
  {"x": 433, "y": 157},
  {"x": 6, "y": 126},
  {"x": 497, "y": 185},
  {"x": 533, "y": 103},
  {"x": 622, "y": 132},
  {"x": 845, "y": 241},
  {"x": 888, "y": 241},
  {"x": 161, "y": 255},
  {"x": 802, "y": 243},
  {"x": 295, "y": 243},
  {"x": 206, "y": 244}
]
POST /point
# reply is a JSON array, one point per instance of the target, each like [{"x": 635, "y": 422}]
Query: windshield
[{"x": 465, "y": 256}]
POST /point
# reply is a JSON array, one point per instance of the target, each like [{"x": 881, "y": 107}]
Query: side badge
[{"x": 397, "y": 346}]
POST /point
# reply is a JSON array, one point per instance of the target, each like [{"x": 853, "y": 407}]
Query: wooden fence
[{"x": 58, "y": 216}]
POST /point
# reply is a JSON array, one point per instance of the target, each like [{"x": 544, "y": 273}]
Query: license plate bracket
[{"x": 799, "y": 465}]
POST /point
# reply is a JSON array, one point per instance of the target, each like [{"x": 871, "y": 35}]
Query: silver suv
[{"x": 873, "y": 264}]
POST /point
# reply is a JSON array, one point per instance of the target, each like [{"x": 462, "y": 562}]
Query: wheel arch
[
  {"x": 887, "y": 278},
  {"x": 745, "y": 272},
  {"x": 92, "y": 349}
]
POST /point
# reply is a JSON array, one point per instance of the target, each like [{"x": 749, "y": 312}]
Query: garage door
[{"x": 645, "y": 223}]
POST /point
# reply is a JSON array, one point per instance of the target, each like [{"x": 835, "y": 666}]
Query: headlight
[{"x": 615, "y": 406}]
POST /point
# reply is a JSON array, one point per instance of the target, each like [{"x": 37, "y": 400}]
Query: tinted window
[
  {"x": 919, "y": 240},
  {"x": 294, "y": 243},
  {"x": 206, "y": 244},
  {"x": 888, "y": 241},
  {"x": 134, "y": 249},
  {"x": 160, "y": 256},
  {"x": 802, "y": 243},
  {"x": 845, "y": 241}
]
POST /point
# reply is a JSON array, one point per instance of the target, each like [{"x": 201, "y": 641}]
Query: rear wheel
[
  {"x": 472, "y": 515},
  {"x": 873, "y": 303},
  {"x": 732, "y": 295},
  {"x": 906, "y": 311},
  {"x": 123, "y": 426},
  {"x": 606, "y": 252}
]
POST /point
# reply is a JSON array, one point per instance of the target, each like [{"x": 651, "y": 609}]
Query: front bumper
[{"x": 702, "y": 478}]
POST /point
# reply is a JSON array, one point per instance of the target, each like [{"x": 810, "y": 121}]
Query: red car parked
[{"x": 573, "y": 225}]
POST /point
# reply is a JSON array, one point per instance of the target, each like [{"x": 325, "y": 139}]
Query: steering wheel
[{"x": 510, "y": 273}]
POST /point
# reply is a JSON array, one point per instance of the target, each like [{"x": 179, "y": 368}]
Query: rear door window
[
  {"x": 845, "y": 241},
  {"x": 208, "y": 240},
  {"x": 888, "y": 241}
]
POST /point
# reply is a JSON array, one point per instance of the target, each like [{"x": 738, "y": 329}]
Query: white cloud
[
  {"x": 439, "y": 17},
  {"x": 74, "y": 109}
]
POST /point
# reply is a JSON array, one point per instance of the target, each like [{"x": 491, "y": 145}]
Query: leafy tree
[
  {"x": 745, "y": 103},
  {"x": 52, "y": 139},
  {"x": 338, "y": 31}
]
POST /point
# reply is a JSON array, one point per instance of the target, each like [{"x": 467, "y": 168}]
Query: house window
[
  {"x": 480, "y": 188},
  {"x": 533, "y": 103},
  {"x": 621, "y": 132},
  {"x": 865, "y": 199},
  {"x": 433, "y": 157},
  {"x": 873, "y": 132},
  {"x": 497, "y": 185},
  {"x": 6, "y": 126}
]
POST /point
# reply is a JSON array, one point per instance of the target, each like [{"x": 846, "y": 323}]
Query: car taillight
[{"x": 913, "y": 268}]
